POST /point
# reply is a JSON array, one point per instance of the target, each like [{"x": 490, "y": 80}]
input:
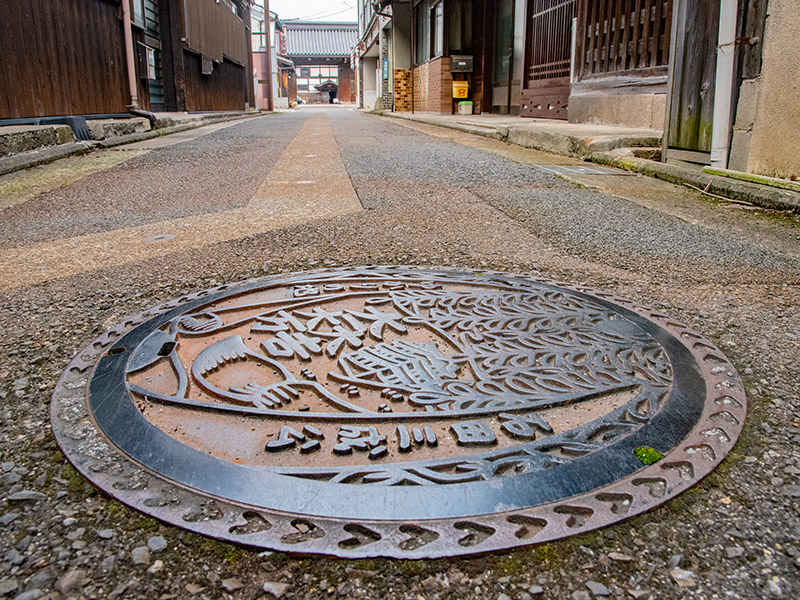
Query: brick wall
[
  {"x": 433, "y": 86},
  {"x": 402, "y": 90}
]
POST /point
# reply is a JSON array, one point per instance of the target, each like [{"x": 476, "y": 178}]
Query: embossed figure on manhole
[{"x": 398, "y": 412}]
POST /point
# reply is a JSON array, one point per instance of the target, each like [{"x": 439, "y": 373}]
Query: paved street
[{"x": 90, "y": 239}]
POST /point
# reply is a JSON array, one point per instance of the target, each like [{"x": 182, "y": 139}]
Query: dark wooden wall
[
  {"x": 67, "y": 57},
  {"x": 482, "y": 36},
  {"x": 213, "y": 30},
  {"x": 346, "y": 79},
  {"x": 61, "y": 57},
  {"x": 224, "y": 89}
]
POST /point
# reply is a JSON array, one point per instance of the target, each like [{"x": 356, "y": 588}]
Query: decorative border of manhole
[{"x": 711, "y": 438}]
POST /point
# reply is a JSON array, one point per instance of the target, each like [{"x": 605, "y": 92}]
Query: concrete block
[
  {"x": 659, "y": 114},
  {"x": 24, "y": 138},
  {"x": 578, "y": 146},
  {"x": 626, "y": 110},
  {"x": 748, "y": 104},
  {"x": 739, "y": 155},
  {"x": 541, "y": 140},
  {"x": 606, "y": 143},
  {"x": 760, "y": 195},
  {"x": 102, "y": 129},
  {"x": 41, "y": 156}
]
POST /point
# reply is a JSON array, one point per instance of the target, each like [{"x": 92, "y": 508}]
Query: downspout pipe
[
  {"x": 723, "y": 90},
  {"x": 133, "y": 107}
]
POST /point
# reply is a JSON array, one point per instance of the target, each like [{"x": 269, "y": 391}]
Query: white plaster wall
[
  {"x": 370, "y": 83},
  {"x": 773, "y": 144}
]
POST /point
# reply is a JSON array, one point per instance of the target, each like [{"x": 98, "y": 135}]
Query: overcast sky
[{"x": 314, "y": 10}]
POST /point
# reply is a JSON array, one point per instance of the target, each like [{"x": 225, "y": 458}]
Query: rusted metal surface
[{"x": 397, "y": 412}]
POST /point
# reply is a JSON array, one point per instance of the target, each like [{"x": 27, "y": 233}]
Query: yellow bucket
[{"x": 460, "y": 89}]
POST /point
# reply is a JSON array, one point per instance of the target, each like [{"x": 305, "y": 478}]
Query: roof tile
[{"x": 320, "y": 39}]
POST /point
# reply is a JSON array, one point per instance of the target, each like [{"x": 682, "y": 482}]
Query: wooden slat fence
[
  {"x": 61, "y": 57},
  {"x": 622, "y": 35},
  {"x": 213, "y": 30}
]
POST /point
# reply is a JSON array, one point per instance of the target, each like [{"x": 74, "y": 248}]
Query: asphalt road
[{"x": 88, "y": 240}]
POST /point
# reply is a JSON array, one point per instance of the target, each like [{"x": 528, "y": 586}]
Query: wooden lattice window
[
  {"x": 622, "y": 35},
  {"x": 550, "y": 27}
]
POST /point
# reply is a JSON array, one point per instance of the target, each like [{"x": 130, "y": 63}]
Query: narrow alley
[{"x": 88, "y": 240}]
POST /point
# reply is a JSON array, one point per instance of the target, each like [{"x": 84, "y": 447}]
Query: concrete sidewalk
[
  {"x": 577, "y": 140},
  {"x": 621, "y": 147},
  {"x": 25, "y": 146}
]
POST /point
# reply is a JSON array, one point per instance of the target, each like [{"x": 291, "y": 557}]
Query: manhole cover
[{"x": 397, "y": 412}]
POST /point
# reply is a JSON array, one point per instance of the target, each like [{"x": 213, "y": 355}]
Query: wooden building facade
[
  {"x": 68, "y": 57},
  {"x": 320, "y": 52},
  {"x": 621, "y": 62},
  {"x": 513, "y": 54},
  {"x": 558, "y": 59}
]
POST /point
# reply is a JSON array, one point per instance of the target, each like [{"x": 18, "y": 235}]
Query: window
[
  {"x": 138, "y": 12},
  {"x": 259, "y": 36},
  {"x": 316, "y": 76},
  {"x": 422, "y": 33},
  {"x": 428, "y": 30},
  {"x": 150, "y": 57},
  {"x": 437, "y": 27},
  {"x": 459, "y": 17}
]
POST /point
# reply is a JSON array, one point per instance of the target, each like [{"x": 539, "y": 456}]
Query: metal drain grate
[{"x": 580, "y": 170}]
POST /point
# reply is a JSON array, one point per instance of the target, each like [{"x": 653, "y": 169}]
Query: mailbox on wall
[{"x": 461, "y": 63}]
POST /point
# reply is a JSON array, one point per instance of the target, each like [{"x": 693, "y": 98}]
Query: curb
[
  {"x": 723, "y": 187},
  {"x": 496, "y": 133},
  {"x": 545, "y": 141},
  {"x": 34, "y": 158},
  {"x": 606, "y": 150}
]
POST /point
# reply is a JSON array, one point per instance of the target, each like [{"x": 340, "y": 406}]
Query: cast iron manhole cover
[{"x": 397, "y": 412}]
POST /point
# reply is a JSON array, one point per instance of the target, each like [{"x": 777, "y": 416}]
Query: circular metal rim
[{"x": 706, "y": 445}]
